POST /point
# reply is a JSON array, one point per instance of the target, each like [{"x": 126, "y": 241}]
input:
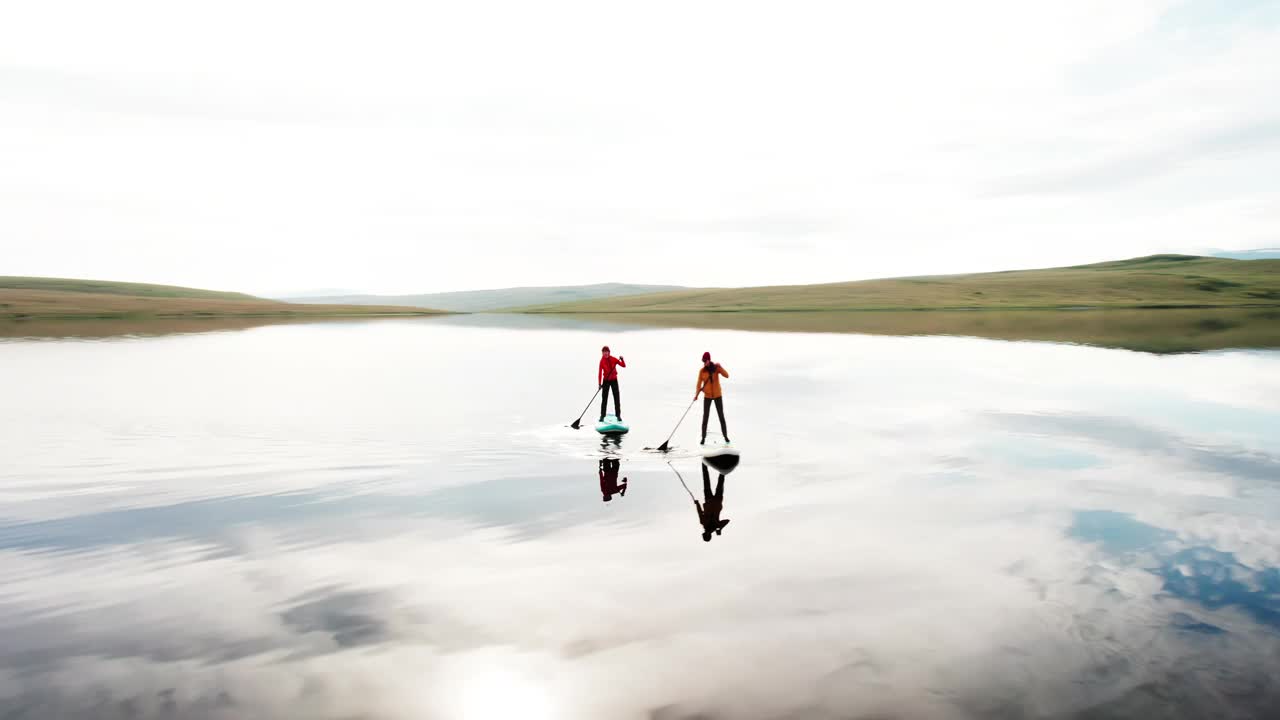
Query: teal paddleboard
[{"x": 612, "y": 426}]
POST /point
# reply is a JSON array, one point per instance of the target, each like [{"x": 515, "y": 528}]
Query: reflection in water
[
  {"x": 712, "y": 504},
  {"x": 1174, "y": 330},
  {"x": 609, "y": 485},
  {"x": 724, "y": 463},
  {"x": 319, "y": 521},
  {"x": 1157, "y": 331},
  {"x": 1208, "y": 577},
  {"x": 1215, "y": 579}
]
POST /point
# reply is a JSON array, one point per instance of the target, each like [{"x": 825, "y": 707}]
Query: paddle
[
  {"x": 663, "y": 446},
  {"x": 686, "y": 487},
  {"x": 578, "y": 422}
]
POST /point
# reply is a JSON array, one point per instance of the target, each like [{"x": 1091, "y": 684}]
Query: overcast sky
[{"x": 399, "y": 146}]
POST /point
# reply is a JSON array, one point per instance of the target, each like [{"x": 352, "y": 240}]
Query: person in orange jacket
[
  {"x": 608, "y": 378},
  {"x": 709, "y": 387}
]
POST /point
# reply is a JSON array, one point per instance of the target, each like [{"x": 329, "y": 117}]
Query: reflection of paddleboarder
[
  {"x": 711, "y": 506},
  {"x": 609, "y": 479},
  {"x": 608, "y": 378},
  {"x": 709, "y": 387}
]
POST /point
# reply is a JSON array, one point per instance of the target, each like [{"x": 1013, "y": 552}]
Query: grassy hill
[
  {"x": 1156, "y": 281},
  {"x": 30, "y": 298},
  {"x": 107, "y": 287},
  {"x": 499, "y": 299}
]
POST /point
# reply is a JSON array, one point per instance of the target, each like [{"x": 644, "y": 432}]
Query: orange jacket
[{"x": 709, "y": 383}]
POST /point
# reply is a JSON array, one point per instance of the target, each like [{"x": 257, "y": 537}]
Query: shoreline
[
  {"x": 143, "y": 317},
  {"x": 905, "y": 308}
]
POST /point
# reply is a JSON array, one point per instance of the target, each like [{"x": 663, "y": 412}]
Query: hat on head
[{"x": 706, "y": 357}]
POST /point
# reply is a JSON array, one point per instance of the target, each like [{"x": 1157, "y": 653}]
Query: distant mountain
[
  {"x": 1260, "y": 254},
  {"x": 499, "y": 299},
  {"x": 313, "y": 293}
]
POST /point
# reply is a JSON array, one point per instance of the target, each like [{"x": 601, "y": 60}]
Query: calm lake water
[{"x": 392, "y": 520}]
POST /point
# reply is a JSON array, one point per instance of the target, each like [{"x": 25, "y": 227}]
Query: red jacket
[{"x": 609, "y": 368}]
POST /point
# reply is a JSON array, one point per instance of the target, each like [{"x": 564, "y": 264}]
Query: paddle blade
[
  {"x": 576, "y": 424},
  {"x": 662, "y": 447}
]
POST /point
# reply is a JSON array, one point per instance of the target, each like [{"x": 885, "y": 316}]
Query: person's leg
[
  {"x": 724, "y": 429},
  {"x": 707, "y": 497},
  {"x": 719, "y": 488},
  {"x": 604, "y": 400},
  {"x": 617, "y": 401},
  {"x": 706, "y": 415}
]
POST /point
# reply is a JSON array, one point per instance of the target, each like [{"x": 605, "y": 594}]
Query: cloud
[
  {"x": 437, "y": 140},
  {"x": 1177, "y": 155},
  {"x": 791, "y": 226}
]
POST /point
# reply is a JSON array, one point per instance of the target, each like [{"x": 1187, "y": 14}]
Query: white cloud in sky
[{"x": 400, "y": 146}]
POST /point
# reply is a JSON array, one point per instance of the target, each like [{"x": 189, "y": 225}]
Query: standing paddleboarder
[
  {"x": 608, "y": 379},
  {"x": 709, "y": 387}
]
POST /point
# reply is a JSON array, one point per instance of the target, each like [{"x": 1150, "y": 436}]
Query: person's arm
[
  {"x": 722, "y": 370},
  {"x": 698, "y": 391},
  {"x": 600, "y": 375},
  {"x": 622, "y": 361}
]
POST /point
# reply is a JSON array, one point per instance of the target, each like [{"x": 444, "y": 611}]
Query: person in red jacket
[{"x": 608, "y": 379}]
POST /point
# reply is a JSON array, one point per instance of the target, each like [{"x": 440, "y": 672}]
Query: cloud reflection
[
  {"x": 908, "y": 615},
  {"x": 969, "y": 541}
]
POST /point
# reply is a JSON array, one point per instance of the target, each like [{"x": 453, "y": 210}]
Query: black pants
[
  {"x": 604, "y": 399},
  {"x": 706, "y": 415}
]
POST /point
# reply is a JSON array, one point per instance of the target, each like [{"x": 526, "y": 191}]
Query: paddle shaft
[
  {"x": 663, "y": 446},
  {"x": 681, "y": 477},
  {"x": 584, "y": 410}
]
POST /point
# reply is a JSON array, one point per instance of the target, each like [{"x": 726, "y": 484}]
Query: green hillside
[
  {"x": 1156, "y": 281},
  {"x": 107, "y": 287},
  {"x": 24, "y": 298}
]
